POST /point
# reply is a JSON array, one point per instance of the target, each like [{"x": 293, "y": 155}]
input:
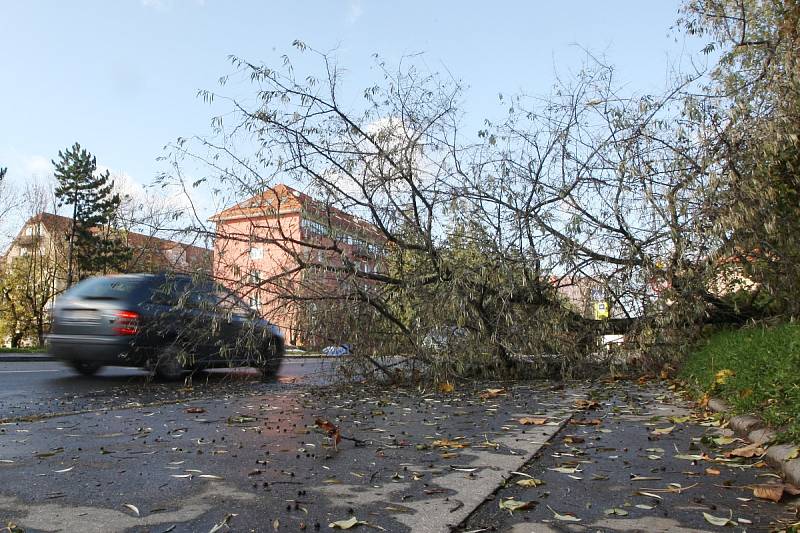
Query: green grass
[
  {"x": 766, "y": 373},
  {"x": 3, "y": 349}
]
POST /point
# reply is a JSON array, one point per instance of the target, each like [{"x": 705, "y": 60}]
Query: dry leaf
[
  {"x": 491, "y": 393},
  {"x": 564, "y": 517},
  {"x": 195, "y": 410},
  {"x": 446, "y": 387},
  {"x": 512, "y": 505},
  {"x": 615, "y": 511},
  {"x": 747, "y": 451},
  {"x": 330, "y": 429},
  {"x": 662, "y": 431},
  {"x": 132, "y": 508},
  {"x": 447, "y": 443},
  {"x": 532, "y": 482},
  {"x": 718, "y": 521},
  {"x": 64, "y": 470},
  {"x": 723, "y": 375},
  {"x": 586, "y": 421},
  {"x": 528, "y": 421},
  {"x": 225, "y": 522},
  {"x": 586, "y": 404},
  {"x": 712, "y": 471},
  {"x": 768, "y": 492},
  {"x": 346, "y": 524}
]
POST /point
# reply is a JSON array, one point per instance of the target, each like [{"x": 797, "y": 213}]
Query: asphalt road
[{"x": 31, "y": 389}]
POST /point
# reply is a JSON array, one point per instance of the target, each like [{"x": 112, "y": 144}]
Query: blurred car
[
  {"x": 168, "y": 323},
  {"x": 339, "y": 350}
]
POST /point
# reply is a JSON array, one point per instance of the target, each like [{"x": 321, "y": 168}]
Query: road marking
[{"x": 30, "y": 371}]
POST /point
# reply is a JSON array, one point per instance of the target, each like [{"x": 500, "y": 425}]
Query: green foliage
[
  {"x": 765, "y": 379},
  {"x": 94, "y": 246},
  {"x": 17, "y": 316}
]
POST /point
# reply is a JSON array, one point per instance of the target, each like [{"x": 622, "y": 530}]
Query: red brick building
[{"x": 282, "y": 250}]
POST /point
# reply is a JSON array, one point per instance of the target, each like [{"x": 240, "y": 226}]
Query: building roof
[
  {"x": 57, "y": 223},
  {"x": 282, "y": 199}
]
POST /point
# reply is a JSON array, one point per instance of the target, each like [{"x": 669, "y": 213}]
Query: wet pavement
[
  {"x": 408, "y": 460},
  {"x": 638, "y": 461},
  {"x": 238, "y": 454}
]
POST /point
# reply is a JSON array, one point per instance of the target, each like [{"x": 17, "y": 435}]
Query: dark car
[{"x": 163, "y": 322}]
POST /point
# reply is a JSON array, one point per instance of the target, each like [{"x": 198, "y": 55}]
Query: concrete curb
[
  {"x": 25, "y": 357},
  {"x": 755, "y": 430}
]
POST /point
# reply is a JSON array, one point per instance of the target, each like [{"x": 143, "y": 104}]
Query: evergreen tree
[{"x": 93, "y": 245}]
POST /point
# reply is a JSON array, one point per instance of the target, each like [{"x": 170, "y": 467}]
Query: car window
[
  {"x": 229, "y": 302},
  {"x": 105, "y": 288}
]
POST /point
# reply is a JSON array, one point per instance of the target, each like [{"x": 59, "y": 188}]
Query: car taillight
[{"x": 127, "y": 323}]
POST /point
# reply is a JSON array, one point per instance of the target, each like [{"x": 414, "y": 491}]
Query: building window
[
  {"x": 314, "y": 228},
  {"x": 256, "y": 252}
]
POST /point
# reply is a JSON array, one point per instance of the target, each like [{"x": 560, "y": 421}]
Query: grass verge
[
  {"x": 756, "y": 370},
  {"x": 3, "y": 349}
]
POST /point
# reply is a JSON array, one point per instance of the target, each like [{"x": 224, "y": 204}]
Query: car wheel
[
  {"x": 169, "y": 365},
  {"x": 87, "y": 368}
]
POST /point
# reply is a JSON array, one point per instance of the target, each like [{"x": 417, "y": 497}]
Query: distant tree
[{"x": 93, "y": 243}]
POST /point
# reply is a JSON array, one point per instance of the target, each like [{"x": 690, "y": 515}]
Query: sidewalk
[{"x": 408, "y": 460}]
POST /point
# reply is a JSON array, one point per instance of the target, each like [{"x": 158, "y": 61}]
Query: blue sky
[{"x": 121, "y": 77}]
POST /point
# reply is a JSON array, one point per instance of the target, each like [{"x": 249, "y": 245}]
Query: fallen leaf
[
  {"x": 615, "y": 511},
  {"x": 586, "y": 421},
  {"x": 64, "y": 470},
  {"x": 209, "y": 476},
  {"x": 276, "y": 524},
  {"x": 564, "y": 517},
  {"x": 662, "y": 431},
  {"x": 491, "y": 393},
  {"x": 793, "y": 454},
  {"x": 532, "y": 482},
  {"x": 644, "y": 478},
  {"x": 195, "y": 410},
  {"x": 768, "y": 492},
  {"x": 586, "y": 404},
  {"x": 447, "y": 443},
  {"x": 712, "y": 471},
  {"x": 721, "y": 377},
  {"x": 679, "y": 419},
  {"x": 650, "y": 494},
  {"x": 718, "y": 521},
  {"x": 132, "y": 508},
  {"x": 330, "y": 429},
  {"x": 346, "y": 524},
  {"x": 446, "y": 387},
  {"x": 512, "y": 505},
  {"x": 528, "y": 421},
  {"x": 747, "y": 451},
  {"x": 645, "y": 507},
  {"x": 241, "y": 419},
  {"x": 692, "y": 457},
  {"x": 565, "y": 470},
  {"x": 224, "y": 523}
]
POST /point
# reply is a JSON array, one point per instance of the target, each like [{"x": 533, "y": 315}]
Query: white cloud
[
  {"x": 354, "y": 11},
  {"x": 36, "y": 166}
]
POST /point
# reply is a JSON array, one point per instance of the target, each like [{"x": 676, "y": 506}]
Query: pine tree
[{"x": 93, "y": 245}]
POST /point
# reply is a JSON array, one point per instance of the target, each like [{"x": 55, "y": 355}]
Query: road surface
[{"x": 50, "y": 387}]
